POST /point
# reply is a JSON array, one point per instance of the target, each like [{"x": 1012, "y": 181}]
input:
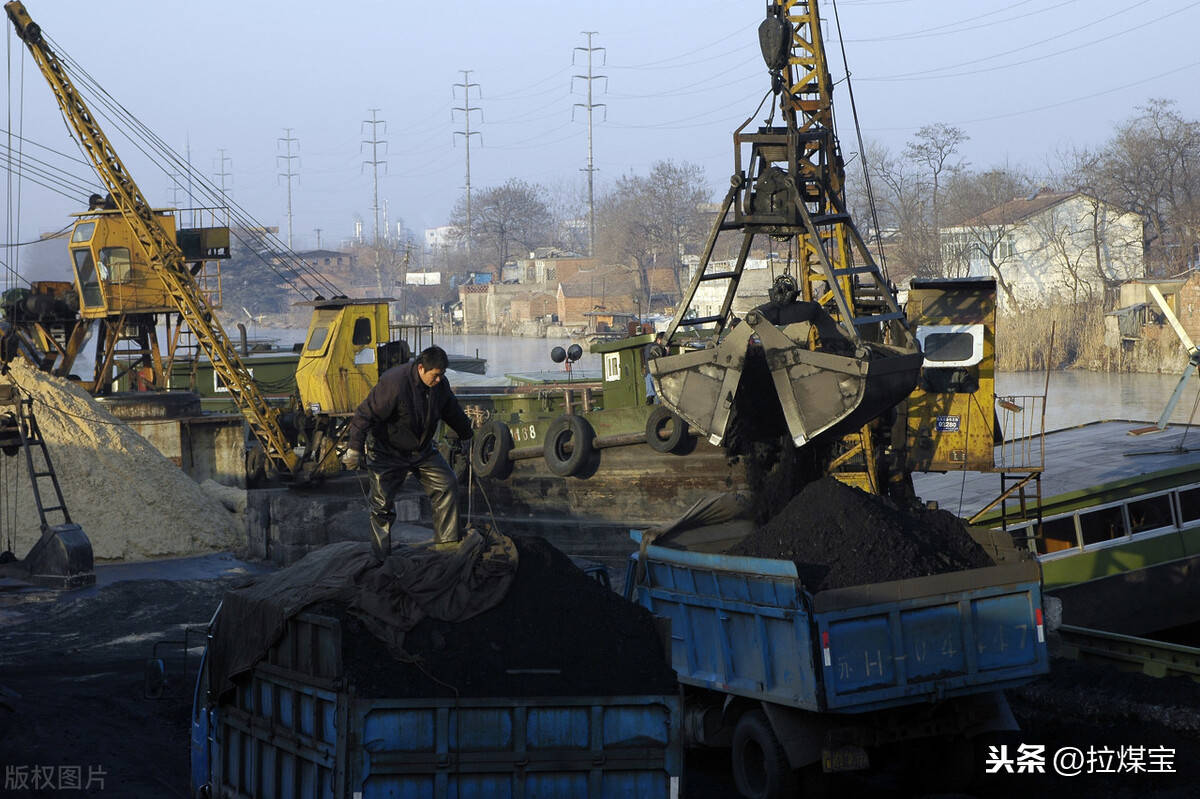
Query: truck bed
[{"x": 747, "y": 626}]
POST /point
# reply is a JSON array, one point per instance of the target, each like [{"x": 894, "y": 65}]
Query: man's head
[
  {"x": 431, "y": 365},
  {"x": 660, "y": 338}
]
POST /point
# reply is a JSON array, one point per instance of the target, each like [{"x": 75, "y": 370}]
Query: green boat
[{"x": 1119, "y": 538}]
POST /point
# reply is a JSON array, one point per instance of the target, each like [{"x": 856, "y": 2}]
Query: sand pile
[
  {"x": 840, "y": 536},
  {"x": 130, "y": 500}
]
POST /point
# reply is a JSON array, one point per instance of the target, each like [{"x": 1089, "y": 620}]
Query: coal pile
[
  {"x": 840, "y": 536},
  {"x": 556, "y": 633}
]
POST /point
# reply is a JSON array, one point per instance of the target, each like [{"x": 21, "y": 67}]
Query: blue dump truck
[
  {"x": 297, "y": 729},
  {"x": 790, "y": 679}
]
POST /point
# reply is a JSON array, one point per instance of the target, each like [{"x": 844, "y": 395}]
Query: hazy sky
[{"x": 1023, "y": 78}]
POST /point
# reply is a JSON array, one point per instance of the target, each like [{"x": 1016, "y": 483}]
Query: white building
[
  {"x": 1048, "y": 247},
  {"x": 441, "y": 239}
]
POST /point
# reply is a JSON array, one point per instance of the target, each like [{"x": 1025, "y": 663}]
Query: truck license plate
[{"x": 844, "y": 758}]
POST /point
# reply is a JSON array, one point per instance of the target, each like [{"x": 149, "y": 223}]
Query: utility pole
[
  {"x": 222, "y": 173},
  {"x": 467, "y": 133},
  {"x": 287, "y": 139},
  {"x": 318, "y": 232},
  {"x": 590, "y": 106},
  {"x": 375, "y": 162}
]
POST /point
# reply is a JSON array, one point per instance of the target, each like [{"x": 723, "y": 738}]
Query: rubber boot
[{"x": 381, "y": 542}]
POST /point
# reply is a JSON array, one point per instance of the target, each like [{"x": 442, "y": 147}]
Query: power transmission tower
[
  {"x": 318, "y": 232},
  {"x": 222, "y": 173},
  {"x": 590, "y": 106},
  {"x": 375, "y": 161},
  {"x": 176, "y": 189},
  {"x": 467, "y": 133},
  {"x": 287, "y": 140}
]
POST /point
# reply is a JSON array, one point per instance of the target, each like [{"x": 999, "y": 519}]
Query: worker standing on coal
[
  {"x": 655, "y": 349},
  {"x": 394, "y": 426}
]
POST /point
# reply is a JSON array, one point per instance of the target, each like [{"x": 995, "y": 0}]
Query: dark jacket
[{"x": 401, "y": 414}]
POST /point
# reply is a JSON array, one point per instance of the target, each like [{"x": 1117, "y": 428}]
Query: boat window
[
  {"x": 83, "y": 232},
  {"x": 1189, "y": 505},
  {"x": 88, "y": 283},
  {"x": 362, "y": 332},
  {"x": 1057, "y": 535},
  {"x": 114, "y": 264},
  {"x": 317, "y": 339},
  {"x": 1102, "y": 525},
  {"x": 1150, "y": 514},
  {"x": 1023, "y": 537}
]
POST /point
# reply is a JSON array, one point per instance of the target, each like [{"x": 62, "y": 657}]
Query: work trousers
[{"x": 435, "y": 476}]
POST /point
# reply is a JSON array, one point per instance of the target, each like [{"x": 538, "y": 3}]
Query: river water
[{"x": 1074, "y": 397}]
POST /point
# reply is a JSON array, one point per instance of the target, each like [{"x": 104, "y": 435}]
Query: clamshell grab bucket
[{"x": 817, "y": 390}]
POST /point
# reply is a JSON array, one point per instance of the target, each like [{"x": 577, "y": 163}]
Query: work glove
[{"x": 352, "y": 459}]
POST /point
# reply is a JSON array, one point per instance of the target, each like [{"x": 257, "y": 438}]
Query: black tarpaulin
[{"x": 390, "y": 597}]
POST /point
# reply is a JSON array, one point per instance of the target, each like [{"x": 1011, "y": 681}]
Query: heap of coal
[
  {"x": 840, "y": 536},
  {"x": 557, "y": 632}
]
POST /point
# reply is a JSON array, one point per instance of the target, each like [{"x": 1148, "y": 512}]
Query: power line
[
  {"x": 466, "y": 108},
  {"x": 932, "y": 74},
  {"x": 375, "y": 161},
  {"x": 288, "y": 139},
  {"x": 590, "y": 106}
]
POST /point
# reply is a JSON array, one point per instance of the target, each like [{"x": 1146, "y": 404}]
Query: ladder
[{"x": 31, "y": 438}]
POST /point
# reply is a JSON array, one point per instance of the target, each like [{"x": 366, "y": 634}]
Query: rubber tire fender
[
  {"x": 663, "y": 420},
  {"x": 574, "y": 430},
  {"x": 491, "y": 450},
  {"x": 760, "y": 765}
]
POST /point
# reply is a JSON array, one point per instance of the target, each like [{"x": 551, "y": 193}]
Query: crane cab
[
  {"x": 112, "y": 272},
  {"x": 951, "y": 416},
  {"x": 345, "y": 351}
]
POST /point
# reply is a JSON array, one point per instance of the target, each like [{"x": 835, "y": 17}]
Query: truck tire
[
  {"x": 490, "y": 450},
  {"x": 760, "y": 765},
  {"x": 568, "y": 445},
  {"x": 665, "y": 431}
]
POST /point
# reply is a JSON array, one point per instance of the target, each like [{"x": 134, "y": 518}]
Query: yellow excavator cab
[
  {"x": 344, "y": 352},
  {"x": 113, "y": 275}
]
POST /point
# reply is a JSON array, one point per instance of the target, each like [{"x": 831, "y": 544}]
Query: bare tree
[
  {"x": 654, "y": 220},
  {"x": 900, "y": 194},
  {"x": 1151, "y": 166},
  {"x": 935, "y": 149},
  {"x": 978, "y": 236},
  {"x": 505, "y": 219}
]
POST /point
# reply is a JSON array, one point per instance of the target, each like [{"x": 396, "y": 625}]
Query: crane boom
[{"x": 160, "y": 249}]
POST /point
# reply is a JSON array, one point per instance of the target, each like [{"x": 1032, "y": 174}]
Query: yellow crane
[
  {"x": 154, "y": 245},
  {"x": 831, "y": 352}
]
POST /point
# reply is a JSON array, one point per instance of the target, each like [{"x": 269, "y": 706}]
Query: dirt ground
[{"x": 71, "y": 694}]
